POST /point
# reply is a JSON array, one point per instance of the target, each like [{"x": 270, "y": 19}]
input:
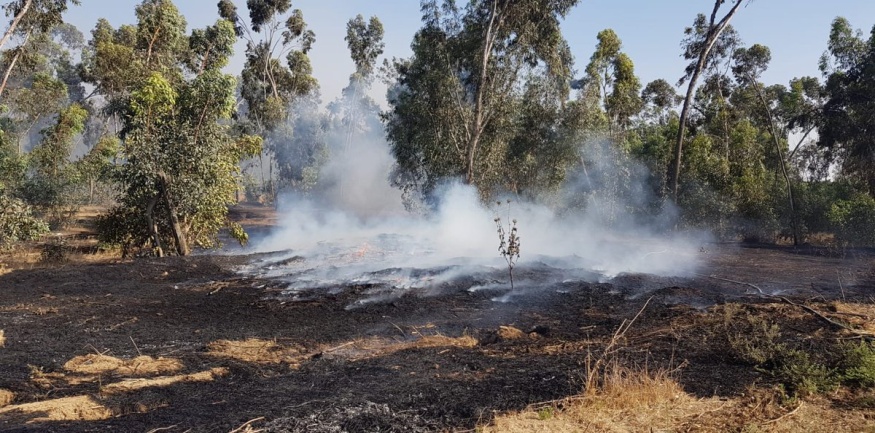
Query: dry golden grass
[
  {"x": 637, "y": 401},
  {"x": 2, "y": 338},
  {"x": 140, "y": 366},
  {"x": 510, "y": 333},
  {"x": 76, "y": 408},
  {"x": 100, "y": 407},
  {"x": 254, "y": 350},
  {"x": 129, "y": 385},
  {"x": 264, "y": 352},
  {"x": 6, "y": 397}
]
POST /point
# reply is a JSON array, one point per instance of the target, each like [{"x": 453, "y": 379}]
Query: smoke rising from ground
[{"x": 356, "y": 232}]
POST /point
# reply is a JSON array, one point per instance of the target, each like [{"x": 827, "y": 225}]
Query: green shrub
[
  {"x": 17, "y": 222},
  {"x": 799, "y": 374},
  {"x": 858, "y": 364},
  {"x": 853, "y": 221}
]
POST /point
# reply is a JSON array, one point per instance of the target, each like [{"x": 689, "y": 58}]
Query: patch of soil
[{"x": 187, "y": 344}]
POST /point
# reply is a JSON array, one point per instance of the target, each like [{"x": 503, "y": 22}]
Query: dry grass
[
  {"x": 510, "y": 333},
  {"x": 113, "y": 400},
  {"x": 2, "y": 338},
  {"x": 76, "y": 408},
  {"x": 139, "y": 366},
  {"x": 265, "y": 352},
  {"x": 6, "y": 397},
  {"x": 637, "y": 401},
  {"x": 254, "y": 350},
  {"x": 129, "y": 385}
]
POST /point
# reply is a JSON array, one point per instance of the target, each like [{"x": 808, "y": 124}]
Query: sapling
[{"x": 509, "y": 242}]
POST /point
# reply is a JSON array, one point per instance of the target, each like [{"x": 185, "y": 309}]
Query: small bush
[
  {"x": 752, "y": 339},
  {"x": 854, "y": 220},
  {"x": 17, "y": 222},
  {"x": 799, "y": 374},
  {"x": 858, "y": 364},
  {"x": 54, "y": 251}
]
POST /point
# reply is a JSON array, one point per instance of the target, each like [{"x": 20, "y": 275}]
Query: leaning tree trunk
[
  {"x": 11, "y": 66},
  {"x": 774, "y": 132},
  {"x": 11, "y": 30},
  {"x": 714, "y": 31},
  {"x": 178, "y": 234}
]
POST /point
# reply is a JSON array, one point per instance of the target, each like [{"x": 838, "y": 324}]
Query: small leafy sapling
[{"x": 509, "y": 242}]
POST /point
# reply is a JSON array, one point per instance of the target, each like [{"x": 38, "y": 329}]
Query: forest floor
[{"x": 96, "y": 343}]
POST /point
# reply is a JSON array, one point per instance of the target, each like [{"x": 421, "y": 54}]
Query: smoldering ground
[{"x": 353, "y": 231}]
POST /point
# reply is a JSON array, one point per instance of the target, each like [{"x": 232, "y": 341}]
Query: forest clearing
[{"x": 437, "y": 216}]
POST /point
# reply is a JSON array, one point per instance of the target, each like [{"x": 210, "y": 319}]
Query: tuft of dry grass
[
  {"x": 627, "y": 401},
  {"x": 140, "y": 366},
  {"x": 2, "y": 338},
  {"x": 253, "y": 350},
  {"x": 6, "y": 397},
  {"x": 510, "y": 333}
]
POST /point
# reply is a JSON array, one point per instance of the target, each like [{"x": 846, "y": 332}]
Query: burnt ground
[{"x": 82, "y": 341}]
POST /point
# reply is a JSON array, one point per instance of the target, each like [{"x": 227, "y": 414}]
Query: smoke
[{"x": 353, "y": 231}]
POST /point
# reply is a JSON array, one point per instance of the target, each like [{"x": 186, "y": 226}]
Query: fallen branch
[
  {"x": 788, "y": 414},
  {"x": 246, "y": 427},
  {"x": 820, "y": 315},
  {"x": 154, "y": 430},
  {"x": 734, "y": 281}
]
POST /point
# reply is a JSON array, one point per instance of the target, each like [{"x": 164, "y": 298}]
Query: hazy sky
[{"x": 651, "y": 30}]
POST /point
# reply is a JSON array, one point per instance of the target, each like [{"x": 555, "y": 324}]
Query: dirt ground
[{"x": 189, "y": 344}]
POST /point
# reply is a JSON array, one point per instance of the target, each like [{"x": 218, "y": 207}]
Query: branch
[{"x": 15, "y": 22}]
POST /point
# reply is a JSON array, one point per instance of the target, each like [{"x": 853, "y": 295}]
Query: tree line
[{"x": 144, "y": 119}]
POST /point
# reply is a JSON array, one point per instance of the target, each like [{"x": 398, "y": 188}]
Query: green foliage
[
  {"x": 858, "y": 364},
  {"x": 799, "y": 374},
  {"x": 853, "y": 220},
  {"x": 454, "y": 102},
  {"x": 755, "y": 340},
  {"x": 179, "y": 163},
  {"x": 17, "y": 222},
  {"x": 848, "y": 116}
]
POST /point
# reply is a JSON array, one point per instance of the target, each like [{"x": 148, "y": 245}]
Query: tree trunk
[
  {"x": 714, "y": 31},
  {"x": 478, "y": 126},
  {"x": 153, "y": 226},
  {"x": 783, "y": 165},
  {"x": 12, "y": 65},
  {"x": 14, "y": 23},
  {"x": 178, "y": 233}
]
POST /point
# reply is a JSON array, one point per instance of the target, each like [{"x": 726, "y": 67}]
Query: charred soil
[{"x": 188, "y": 344}]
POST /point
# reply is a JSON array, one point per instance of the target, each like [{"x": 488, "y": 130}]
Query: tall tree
[
  {"x": 180, "y": 164},
  {"x": 848, "y": 116},
  {"x": 30, "y": 17},
  {"x": 612, "y": 75},
  {"x": 456, "y": 90},
  {"x": 702, "y": 37},
  {"x": 275, "y": 34},
  {"x": 749, "y": 64}
]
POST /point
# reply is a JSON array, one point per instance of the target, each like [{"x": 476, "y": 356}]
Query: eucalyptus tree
[
  {"x": 365, "y": 43},
  {"x": 749, "y": 64},
  {"x": 848, "y": 115},
  {"x": 612, "y": 75},
  {"x": 30, "y": 17},
  {"x": 52, "y": 176},
  {"x": 702, "y": 38},
  {"x": 453, "y": 101},
  {"x": 179, "y": 164},
  {"x": 277, "y": 71}
]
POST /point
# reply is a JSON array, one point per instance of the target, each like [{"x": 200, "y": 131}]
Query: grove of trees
[{"x": 145, "y": 120}]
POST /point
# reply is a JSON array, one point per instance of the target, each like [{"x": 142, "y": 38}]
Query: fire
[{"x": 363, "y": 250}]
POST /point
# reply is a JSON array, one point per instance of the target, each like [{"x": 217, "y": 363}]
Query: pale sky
[{"x": 796, "y": 31}]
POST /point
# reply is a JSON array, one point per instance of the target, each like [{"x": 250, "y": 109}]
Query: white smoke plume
[{"x": 356, "y": 232}]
